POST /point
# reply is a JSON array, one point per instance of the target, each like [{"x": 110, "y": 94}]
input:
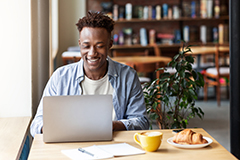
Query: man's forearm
[{"x": 118, "y": 126}]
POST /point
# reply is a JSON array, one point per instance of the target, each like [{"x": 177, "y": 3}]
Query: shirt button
[{"x": 115, "y": 75}]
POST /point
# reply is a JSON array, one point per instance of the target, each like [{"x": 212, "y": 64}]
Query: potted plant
[{"x": 170, "y": 99}]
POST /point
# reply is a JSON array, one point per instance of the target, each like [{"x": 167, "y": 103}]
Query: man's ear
[
  {"x": 110, "y": 44},
  {"x": 79, "y": 42}
]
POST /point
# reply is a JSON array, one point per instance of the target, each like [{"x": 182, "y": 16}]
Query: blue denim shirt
[{"x": 128, "y": 99}]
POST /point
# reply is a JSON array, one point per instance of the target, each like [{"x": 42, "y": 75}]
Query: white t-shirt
[{"x": 101, "y": 86}]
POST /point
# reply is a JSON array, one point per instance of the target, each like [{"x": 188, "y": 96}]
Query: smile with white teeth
[{"x": 93, "y": 60}]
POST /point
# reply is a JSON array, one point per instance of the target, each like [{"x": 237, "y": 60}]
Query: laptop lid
[{"x": 77, "y": 118}]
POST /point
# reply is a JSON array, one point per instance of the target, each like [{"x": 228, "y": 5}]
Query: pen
[{"x": 84, "y": 151}]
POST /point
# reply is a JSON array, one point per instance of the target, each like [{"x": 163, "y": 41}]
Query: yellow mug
[{"x": 149, "y": 141}]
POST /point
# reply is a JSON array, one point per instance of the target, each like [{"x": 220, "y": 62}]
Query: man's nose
[{"x": 92, "y": 51}]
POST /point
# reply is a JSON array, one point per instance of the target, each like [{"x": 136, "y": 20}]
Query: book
[
  {"x": 177, "y": 36},
  {"x": 140, "y": 12},
  {"x": 103, "y": 151},
  {"x": 209, "y": 8},
  {"x": 203, "y": 34},
  {"x": 165, "y": 38},
  {"x": 165, "y": 11},
  {"x": 193, "y": 9},
  {"x": 186, "y": 9},
  {"x": 158, "y": 12},
  {"x": 115, "y": 39},
  {"x": 115, "y": 12},
  {"x": 149, "y": 12},
  {"x": 143, "y": 37},
  {"x": 215, "y": 34},
  {"x": 225, "y": 33},
  {"x": 176, "y": 12},
  {"x": 128, "y": 9},
  {"x": 145, "y": 12},
  {"x": 121, "y": 13},
  {"x": 217, "y": 9},
  {"x": 170, "y": 13},
  {"x": 152, "y": 36},
  {"x": 203, "y": 8},
  {"x": 154, "y": 12},
  {"x": 186, "y": 33},
  {"x": 128, "y": 36},
  {"x": 220, "y": 34},
  {"x": 121, "y": 38}
]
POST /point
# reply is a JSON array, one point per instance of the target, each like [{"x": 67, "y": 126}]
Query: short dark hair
[{"x": 95, "y": 20}]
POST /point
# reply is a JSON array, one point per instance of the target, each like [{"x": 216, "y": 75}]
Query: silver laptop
[{"x": 77, "y": 118}]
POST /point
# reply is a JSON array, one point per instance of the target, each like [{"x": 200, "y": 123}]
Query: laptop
[{"x": 77, "y": 118}]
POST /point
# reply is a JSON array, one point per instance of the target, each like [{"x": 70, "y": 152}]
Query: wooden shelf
[
  {"x": 134, "y": 20},
  {"x": 166, "y": 26},
  {"x": 136, "y": 46},
  {"x": 140, "y": 46}
]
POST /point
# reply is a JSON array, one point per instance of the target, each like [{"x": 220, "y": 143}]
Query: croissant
[{"x": 187, "y": 136}]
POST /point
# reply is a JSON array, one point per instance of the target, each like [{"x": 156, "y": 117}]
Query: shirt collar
[
  {"x": 112, "y": 71},
  {"x": 80, "y": 72}
]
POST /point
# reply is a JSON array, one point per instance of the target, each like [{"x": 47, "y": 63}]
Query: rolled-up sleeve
[
  {"x": 37, "y": 123},
  {"x": 129, "y": 99},
  {"x": 136, "y": 117}
]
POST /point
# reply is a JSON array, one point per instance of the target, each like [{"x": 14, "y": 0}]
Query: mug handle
[{"x": 135, "y": 138}]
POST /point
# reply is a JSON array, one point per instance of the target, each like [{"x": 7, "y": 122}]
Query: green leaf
[
  {"x": 165, "y": 86},
  {"x": 200, "y": 78},
  {"x": 175, "y": 57},
  {"x": 189, "y": 59},
  {"x": 182, "y": 73},
  {"x": 188, "y": 75},
  {"x": 154, "y": 106},
  {"x": 194, "y": 74},
  {"x": 201, "y": 111},
  {"x": 170, "y": 112},
  {"x": 159, "y": 69},
  {"x": 189, "y": 67}
]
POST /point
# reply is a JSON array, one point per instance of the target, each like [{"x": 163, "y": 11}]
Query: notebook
[{"x": 77, "y": 118}]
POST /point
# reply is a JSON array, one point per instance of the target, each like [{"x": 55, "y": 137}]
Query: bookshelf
[
  {"x": 200, "y": 24},
  {"x": 136, "y": 20}
]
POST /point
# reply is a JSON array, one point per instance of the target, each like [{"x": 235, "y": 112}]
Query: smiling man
[{"x": 96, "y": 73}]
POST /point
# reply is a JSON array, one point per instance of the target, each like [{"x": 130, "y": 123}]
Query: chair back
[
  {"x": 145, "y": 68},
  {"x": 157, "y": 51},
  {"x": 221, "y": 53}
]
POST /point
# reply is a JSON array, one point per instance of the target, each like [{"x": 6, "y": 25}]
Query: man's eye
[
  {"x": 100, "y": 46},
  {"x": 85, "y": 46}
]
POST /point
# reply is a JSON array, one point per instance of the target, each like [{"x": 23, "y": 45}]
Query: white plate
[{"x": 190, "y": 145}]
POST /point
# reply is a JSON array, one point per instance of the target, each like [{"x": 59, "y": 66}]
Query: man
[{"x": 96, "y": 73}]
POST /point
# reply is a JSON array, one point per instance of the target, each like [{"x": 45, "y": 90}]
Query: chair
[
  {"x": 157, "y": 52},
  {"x": 70, "y": 57},
  {"x": 143, "y": 70},
  {"x": 212, "y": 76}
]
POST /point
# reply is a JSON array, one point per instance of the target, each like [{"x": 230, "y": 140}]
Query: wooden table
[
  {"x": 135, "y": 60},
  {"x": 13, "y": 132},
  {"x": 41, "y": 150},
  {"x": 142, "y": 59},
  {"x": 205, "y": 50}
]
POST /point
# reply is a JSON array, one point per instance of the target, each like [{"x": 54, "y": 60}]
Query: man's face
[{"x": 94, "y": 44}]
